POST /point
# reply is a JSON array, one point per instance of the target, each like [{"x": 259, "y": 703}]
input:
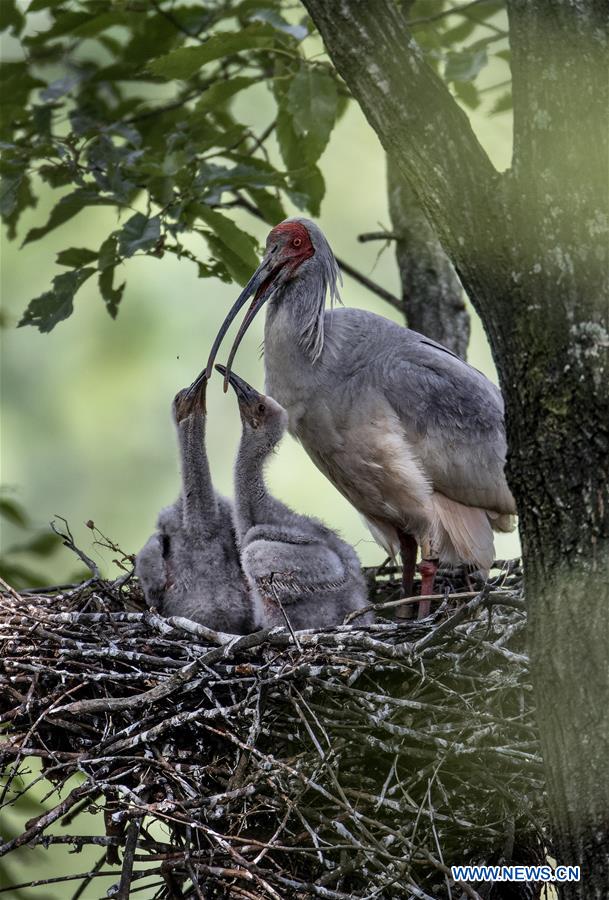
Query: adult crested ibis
[
  {"x": 190, "y": 566},
  {"x": 407, "y": 431},
  {"x": 296, "y": 567}
]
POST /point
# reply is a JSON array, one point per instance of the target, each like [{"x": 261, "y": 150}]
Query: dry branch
[{"x": 355, "y": 762}]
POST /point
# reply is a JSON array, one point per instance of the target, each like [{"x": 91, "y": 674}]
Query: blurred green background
[{"x": 86, "y": 427}]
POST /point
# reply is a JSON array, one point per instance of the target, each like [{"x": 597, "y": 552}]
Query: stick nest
[{"x": 357, "y": 761}]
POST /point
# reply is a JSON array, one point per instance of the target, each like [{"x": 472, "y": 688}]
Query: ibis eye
[
  {"x": 261, "y": 408},
  {"x": 296, "y": 242}
]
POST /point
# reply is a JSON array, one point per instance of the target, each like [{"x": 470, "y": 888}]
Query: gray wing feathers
[
  {"x": 451, "y": 413},
  {"x": 292, "y": 574},
  {"x": 315, "y": 582}
]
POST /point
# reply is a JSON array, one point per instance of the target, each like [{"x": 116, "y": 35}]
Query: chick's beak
[
  {"x": 246, "y": 394},
  {"x": 188, "y": 399}
]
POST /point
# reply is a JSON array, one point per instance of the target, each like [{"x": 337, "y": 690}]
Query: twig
[
  {"x": 11, "y": 590},
  {"x": 124, "y": 887},
  {"x": 377, "y": 236},
  {"x": 68, "y": 541}
]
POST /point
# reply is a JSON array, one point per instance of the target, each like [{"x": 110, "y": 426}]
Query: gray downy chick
[
  {"x": 190, "y": 566},
  {"x": 296, "y": 566}
]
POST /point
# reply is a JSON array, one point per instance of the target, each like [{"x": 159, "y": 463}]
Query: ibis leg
[
  {"x": 408, "y": 550},
  {"x": 428, "y": 569}
]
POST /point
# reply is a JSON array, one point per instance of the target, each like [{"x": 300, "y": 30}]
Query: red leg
[
  {"x": 428, "y": 569},
  {"x": 408, "y": 550}
]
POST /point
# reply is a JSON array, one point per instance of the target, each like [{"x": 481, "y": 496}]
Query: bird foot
[{"x": 428, "y": 569}]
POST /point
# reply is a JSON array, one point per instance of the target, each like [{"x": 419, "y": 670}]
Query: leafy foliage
[{"x": 131, "y": 105}]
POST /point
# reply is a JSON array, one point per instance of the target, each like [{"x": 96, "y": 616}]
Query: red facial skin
[
  {"x": 295, "y": 247},
  {"x": 296, "y": 243}
]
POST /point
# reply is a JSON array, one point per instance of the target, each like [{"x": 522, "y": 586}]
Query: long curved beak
[
  {"x": 260, "y": 284},
  {"x": 244, "y": 391}
]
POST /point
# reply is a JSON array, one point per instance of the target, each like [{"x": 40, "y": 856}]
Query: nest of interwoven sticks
[{"x": 357, "y": 761}]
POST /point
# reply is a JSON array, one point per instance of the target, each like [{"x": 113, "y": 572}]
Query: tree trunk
[
  {"x": 530, "y": 247},
  {"x": 431, "y": 292},
  {"x": 558, "y": 400}
]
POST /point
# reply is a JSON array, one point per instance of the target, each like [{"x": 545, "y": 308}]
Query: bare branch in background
[{"x": 432, "y": 297}]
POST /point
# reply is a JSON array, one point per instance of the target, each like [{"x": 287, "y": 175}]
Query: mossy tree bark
[{"x": 531, "y": 249}]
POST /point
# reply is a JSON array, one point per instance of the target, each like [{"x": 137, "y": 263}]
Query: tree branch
[
  {"x": 455, "y": 11},
  {"x": 432, "y": 296},
  {"x": 419, "y": 124}
]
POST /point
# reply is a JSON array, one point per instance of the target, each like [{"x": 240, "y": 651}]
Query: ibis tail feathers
[{"x": 462, "y": 533}]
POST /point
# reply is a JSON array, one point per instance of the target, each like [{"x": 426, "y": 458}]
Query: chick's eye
[
  {"x": 261, "y": 408},
  {"x": 296, "y": 242}
]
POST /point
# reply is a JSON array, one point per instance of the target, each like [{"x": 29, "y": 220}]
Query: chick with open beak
[
  {"x": 298, "y": 570},
  {"x": 191, "y": 399},
  {"x": 264, "y": 420},
  {"x": 190, "y": 566}
]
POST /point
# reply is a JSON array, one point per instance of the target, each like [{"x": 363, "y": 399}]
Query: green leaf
[
  {"x": 241, "y": 259},
  {"x": 269, "y": 205},
  {"x": 467, "y": 92},
  {"x": 342, "y": 105},
  {"x": 11, "y": 16},
  {"x": 52, "y": 307},
  {"x": 16, "y": 83},
  {"x": 17, "y": 198},
  {"x": 224, "y": 255},
  {"x": 251, "y": 172},
  {"x": 108, "y": 253},
  {"x": 184, "y": 62},
  {"x": 313, "y": 102},
  {"x": 56, "y": 175},
  {"x": 108, "y": 260},
  {"x": 139, "y": 233},
  {"x": 465, "y": 66},
  {"x": 111, "y": 296},
  {"x": 289, "y": 145},
  {"x": 502, "y": 104},
  {"x": 221, "y": 91},
  {"x": 458, "y": 33},
  {"x": 66, "y": 209},
  {"x": 9, "y": 188},
  {"x": 13, "y": 512},
  {"x": 308, "y": 189},
  {"x": 75, "y": 257}
]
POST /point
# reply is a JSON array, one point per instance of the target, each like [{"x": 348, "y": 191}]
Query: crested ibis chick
[
  {"x": 407, "y": 431},
  {"x": 190, "y": 567},
  {"x": 297, "y": 568}
]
